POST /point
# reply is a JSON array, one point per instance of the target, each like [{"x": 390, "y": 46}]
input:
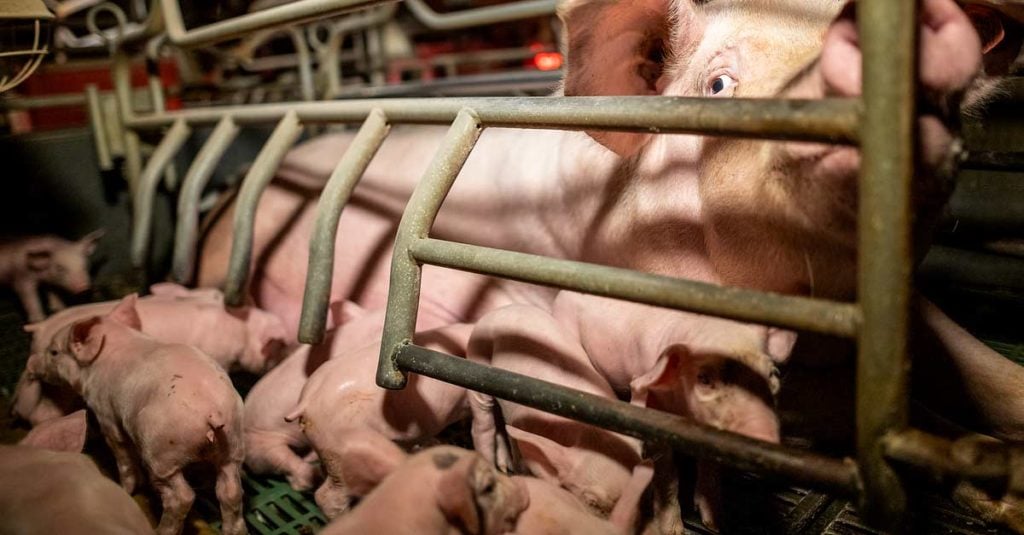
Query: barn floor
[{"x": 753, "y": 506}]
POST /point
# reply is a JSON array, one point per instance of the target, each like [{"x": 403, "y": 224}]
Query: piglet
[
  {"x": 594, "y": 464},
  {"x": 341, "y": 398},
  {"x": 26, "y": 263},
  {"x": 555, "y": 511},
  {"x": 49, "y": 487},
  {"x": 162, "y": 407},
  {"x": 440, "y": 490}
]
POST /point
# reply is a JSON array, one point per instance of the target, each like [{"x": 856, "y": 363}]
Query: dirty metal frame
[{"x": 879, "y": 321}]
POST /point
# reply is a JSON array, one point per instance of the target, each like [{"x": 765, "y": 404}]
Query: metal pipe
[
  {"x": 305, "y": 64},
  {"x": 99, "y": 134},
  {"x": 333, "y": 199},
  {"x": 330, "y": 51},
  {"x": 426, "y": 199},
  {"x": 690, "y": 438},
  {"x": 185, "y": 236},
  {"x": 888, "y": 37},
  {"x": 145, "y": 193},
  {"x": 967, "y": 458},
  {"x": 479, "y": 16},
  {"x": 156, "y": 94},
  {"x": 803, "y": 313},
  {"x": 827, "y": 120},
  {"x": 291, "y": 13},
  {"x": 123, "y": 95},
  {"x": 262, "y": 171}
]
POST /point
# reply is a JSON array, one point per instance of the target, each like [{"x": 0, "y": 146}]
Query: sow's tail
[{"x": 215, "y": 421}]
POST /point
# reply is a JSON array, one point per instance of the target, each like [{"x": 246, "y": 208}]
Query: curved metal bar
[
  {"x": 262, "y": 171},
  {"x": 305, "y": 64},
  {"x": 333, "y": 199},
  {"x": 330, "y": 51},
  {"x": 142, "y": 213},
  {"x": 185, "y": 235},
  {"x": 404, "y": 291},
  {"x": 99, "y": 133},
  {"x": 479, "y": 16}
]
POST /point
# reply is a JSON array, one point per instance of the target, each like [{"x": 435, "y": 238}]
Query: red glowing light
[{"x": 548, "y": 61}]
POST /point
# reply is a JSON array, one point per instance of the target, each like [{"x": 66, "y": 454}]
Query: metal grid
[{"x": 882, "y": 122}]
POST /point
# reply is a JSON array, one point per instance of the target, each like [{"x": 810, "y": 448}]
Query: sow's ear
[
  {"x": 1001, "y": 35},
  {"x": 60, "y": 434},
  {"x": 614, "y": 48}
]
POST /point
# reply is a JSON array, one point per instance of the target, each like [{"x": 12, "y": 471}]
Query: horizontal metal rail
[
  {"x": 480, "y": 16},
  {"x": 198, "y": 175},
  {"x": 828, "y": 120},
  {"x": 145, "y": 193},
  {"x": 744, "y": 453},
  {"x": 803, "y": 313},
  {"x": 333, "y": 199}
]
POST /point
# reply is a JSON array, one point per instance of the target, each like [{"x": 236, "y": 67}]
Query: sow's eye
[{"x": 721, "y": 85}]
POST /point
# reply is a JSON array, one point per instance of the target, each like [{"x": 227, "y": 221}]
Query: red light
[{"x": 548, "y": 61}]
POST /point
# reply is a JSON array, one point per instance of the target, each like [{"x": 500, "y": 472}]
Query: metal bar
[
  {"x": 295, "y": 12},
  {"x": 123, "y": 95},
  {"x": 145, "y": 193},
  {"x": 803, "y": 313},
  {"x": 156, "y": 94},
  {"x": 262, "y": 171},
  {"x": 964, "y": 459},
  {"x": 404, "y": 291},
  {"x": 185, "y": 236},
  {"x": 994, "y": 161},
  {"x": 305, "y": 66},
  {"x": 888, "y": 36},
  {"x": 44, "y": 101},
  {"x": 685, "y": 436},
  {"x": 479, "y": 16},
  {"x": 827, "y": 120},
  {"x": 99, "y": 134},
  {"x": 333, "y": 199}
]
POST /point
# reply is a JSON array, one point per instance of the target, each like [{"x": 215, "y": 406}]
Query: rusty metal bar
[
  {"x": 840, "y": 319},
  {"x": 333, "y": 199},
  {"x": 262, "y": 171},
  {"x": 99, "y": 133},
  {"x": 404, "y": 292},
  {"x": 185, "y": 236},
  {"x": 145, "y": 193},
  {"x": 827, "y": 120},
  {"x": 888, "y": 37},
  {"x": 837, "y": 476},
  {"x": 295, "y": 12}
]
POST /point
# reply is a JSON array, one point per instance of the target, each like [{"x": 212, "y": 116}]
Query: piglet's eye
[{"x": 721, "y": 83}]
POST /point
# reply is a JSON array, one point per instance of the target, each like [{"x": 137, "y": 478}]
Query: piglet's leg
[
  {"x": 485, "y": 431},
  {"x": 177, "y": 497},
  {"x": 28, "y": 293},
  {"x": 127, "y": 468},
  {"x": 333, "y": 498},
  {"x": 229, "y": 494},
  {"x": 54, "y": 302}
]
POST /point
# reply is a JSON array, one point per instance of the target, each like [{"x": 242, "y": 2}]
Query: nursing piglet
[
  {"x": 341, "y": 398},
  {"x": 594, "y": 464},
  {"x": 50, "y": 487},
  {"x": 31, "y": 262},
  {"x": 161, "y": 408},
  {"x": 440, "y": 490}
]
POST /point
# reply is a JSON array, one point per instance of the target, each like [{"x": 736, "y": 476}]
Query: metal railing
[{"x": 881, "y": 122}]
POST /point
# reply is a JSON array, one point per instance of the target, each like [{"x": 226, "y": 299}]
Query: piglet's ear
[
  {"x": 84, "y": 340},
  {"x": 1001, "y": 37},
  {"x": 365, "y": 459},
  {"x": 88, "y": 242},
  {"x": 665, "y": 375},
  {"x": 60, "y": 434},
  {"x": 126, "y": 314},
  {"x": 457, "y": 493},
  {"x": 616, "y": 48}
]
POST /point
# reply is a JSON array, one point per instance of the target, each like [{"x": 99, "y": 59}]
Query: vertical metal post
[
  {"x": 888, "y": 38},
  {"x": 145, "y": 192},
  {"x": 99, "y": 133},
  {"x": 191, "y": 190},
  {"x": 156, "y": 94},
  {"x": 305, "y": 66},
  {"x": 333, "y": 199},
  {"x": 404, "y": 292},
  {"x": 262, "y": 171},
  {"x": 123, "y": 93}
]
